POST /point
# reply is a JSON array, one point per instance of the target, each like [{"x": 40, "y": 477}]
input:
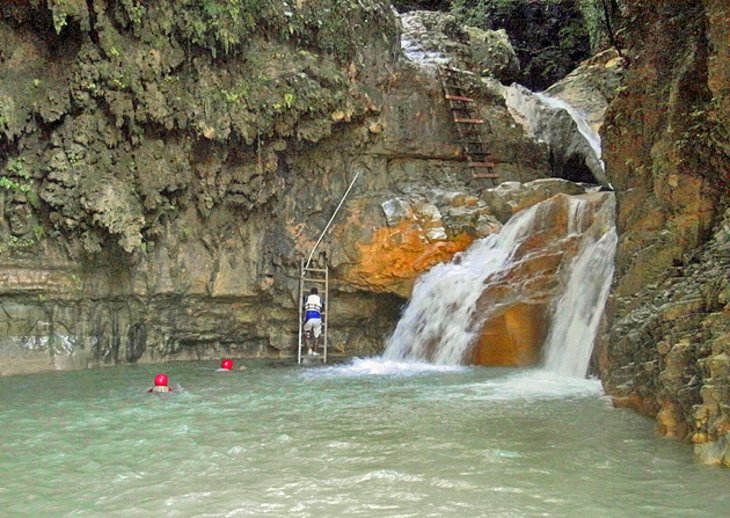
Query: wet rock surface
[
  {"x": 664, "y": 353},
  {"x": 438, "y": 38}
]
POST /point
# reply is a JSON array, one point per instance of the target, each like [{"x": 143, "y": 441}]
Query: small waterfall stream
[
  {"x": 578, "y": 312},
  {"x": 591, "y": 135},
  {"x": 558, "y": 124}
]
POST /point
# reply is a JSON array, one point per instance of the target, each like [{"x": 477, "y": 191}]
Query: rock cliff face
[
  {"x": 667, "y": 154},
  {"x": 165, "y": 167}
]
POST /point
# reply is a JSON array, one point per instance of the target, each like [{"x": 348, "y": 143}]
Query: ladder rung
[
  {"x": 459, "y": 98},
  {"x": 317, "y": 281},
  {"x": 485, "y": 175},
  {"x": 482, "y": 164},
  {"x": 460, "y": 120}
]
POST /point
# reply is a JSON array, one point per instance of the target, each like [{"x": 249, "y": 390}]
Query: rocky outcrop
[
  {"x": 438, "y": 38},
  {"x": 592, "y": 86},
  {"x": 517, "y": 304},
  {"x": 666, "y": 151},
  {"x": 384, "y": 252}
]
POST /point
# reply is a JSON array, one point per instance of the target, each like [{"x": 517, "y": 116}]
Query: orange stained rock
[
  {"x": 512, "y": 339},
  {"x": 641, "y": 404},
  {"x": 395, "y": 256},
  {"x": 669, "y": 420}
]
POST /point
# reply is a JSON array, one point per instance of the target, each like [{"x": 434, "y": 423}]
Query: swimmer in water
[
  {"x": 161, "y": 385},
  {"x": 226, "y": 366}
]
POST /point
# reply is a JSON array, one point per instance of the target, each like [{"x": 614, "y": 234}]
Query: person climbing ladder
[
  {"x": 313, "y": 307},
  {"x": 313, "y": 320}
]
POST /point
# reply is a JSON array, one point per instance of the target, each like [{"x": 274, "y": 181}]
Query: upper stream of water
[{"x": 366, "y": 438}]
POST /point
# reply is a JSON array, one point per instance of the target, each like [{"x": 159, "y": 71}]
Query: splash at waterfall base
[{"x": 498, "y": 302}]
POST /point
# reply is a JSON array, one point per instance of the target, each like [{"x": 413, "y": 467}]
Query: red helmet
[
  {"x": 227, "y": 364},
  {"x": 161, "y": 380}
]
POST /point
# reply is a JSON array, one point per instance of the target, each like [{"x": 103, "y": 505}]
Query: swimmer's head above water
[{"x": 161, "y": 384}]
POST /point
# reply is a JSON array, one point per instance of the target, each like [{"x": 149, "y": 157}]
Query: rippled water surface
[{"x": 363, "y": 438}]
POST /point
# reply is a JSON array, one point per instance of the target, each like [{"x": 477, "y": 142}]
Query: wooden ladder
[{"x": 468, "y": 123}]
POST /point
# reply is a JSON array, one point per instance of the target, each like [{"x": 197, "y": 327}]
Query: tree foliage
[
  {"x": 549, "y": 36},
  {"x": 428, "y": 5}
]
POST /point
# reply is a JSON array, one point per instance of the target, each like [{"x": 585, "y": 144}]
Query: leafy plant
[
  {"x": 550, "y": 37},
  {"x": 704, "y": 143}
]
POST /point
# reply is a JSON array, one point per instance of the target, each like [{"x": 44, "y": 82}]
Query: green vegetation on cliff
[
  {"x": 550, "y": 37},
  {"x": 123, "y": 112}
]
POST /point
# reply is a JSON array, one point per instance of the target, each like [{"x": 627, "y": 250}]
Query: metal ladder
[
  {"x": 468, "y": 124},
  {"x": 308, "y": 278}
]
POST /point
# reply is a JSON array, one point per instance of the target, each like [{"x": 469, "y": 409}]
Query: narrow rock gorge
[
  {"x": 165, "y": 179},
  {"x": 166, "y": 166}
]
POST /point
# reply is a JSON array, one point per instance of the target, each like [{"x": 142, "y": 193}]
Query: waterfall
[
  {"x": 585, "y": 129},
  {"x": 415, "y": 53},
  {"x": 578, "y": 312},
  {"x": 442, "y": 320},
  {"x": 438, "y": 323},
  {"x": 558, "y": 124}
]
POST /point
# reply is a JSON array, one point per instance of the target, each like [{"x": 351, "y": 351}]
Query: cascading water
[
  {"x": 443, "y": 319},
  {"x": 578, "y": 312},
  {"x": 439, "y": 322},
  {"x": 554, "y": 121},
  {"x": 591, "y": 135}
]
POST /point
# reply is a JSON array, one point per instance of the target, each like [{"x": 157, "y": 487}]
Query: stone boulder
[
  {"x": 387, "y": 243},
  {"x": 437, "y": 38}
]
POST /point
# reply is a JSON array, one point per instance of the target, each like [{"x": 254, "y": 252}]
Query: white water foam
[
  {"x": 378, "y": 366},
  {"x": 536, "y": 384},
  {"x": 585, "y": 129},
  {"x": 579, "y": 311}
]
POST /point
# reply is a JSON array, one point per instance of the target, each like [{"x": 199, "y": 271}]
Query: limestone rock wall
[
  {"x": 163, "y": 173},
  {"x": 666, "y": 150}
]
